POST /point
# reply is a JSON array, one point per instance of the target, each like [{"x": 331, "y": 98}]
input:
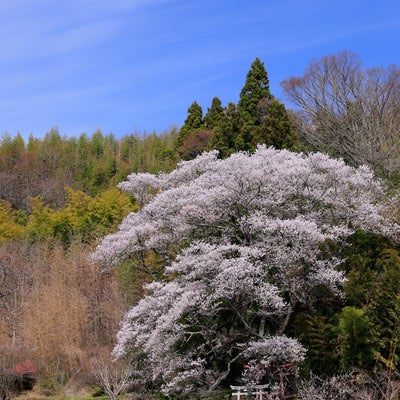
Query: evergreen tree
[
  {"x": 364, "y": 329},
  {"x": 276, "y": 128},
  {"x": 355, "y": 335},
  {"x": 52, "y": 150},
  {"x": 214, "y": 114},
  {"x": 315, "y": 329},
  {"x": 11, "y": 150},
  {"x": 373, "y": 285},
  {"x": 193, "y": 121},
  {"x": 192, "y": 139},
  {"x": 97, "y": 144},
  {"x": 225, "y": 131},
  {"x": 254, "y": 90}
]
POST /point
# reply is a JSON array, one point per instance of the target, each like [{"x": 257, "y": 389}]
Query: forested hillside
[{"x": 325, "y": 295}]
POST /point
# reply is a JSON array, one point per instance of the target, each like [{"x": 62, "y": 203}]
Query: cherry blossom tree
[{"x": 235, "y": 246}]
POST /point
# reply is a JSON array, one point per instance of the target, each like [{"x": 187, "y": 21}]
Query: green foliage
[
  {"x": 40, "y": 222},
  {"x": 255, "y": 88},
  {"x": 11, "y": 222},
  {"x": 84, "y": 217},
  {"x": 149, "y": 153},
  {"x": 355, "y": 337},
  {"x": 193, "y": 121},
  {"x": 224, "y": 133},
  {"x": 363, "y": 330},
  {"x": 11, "y": 150},
  {"x": 44, "y": 167},
  {"x": 97, "y": 144},
  {"x": 258, "y": 118},
  {"x": 193, "y": 139},
  {"x": 107, "y": 210},
  {"x": 315, "y": 330},
  {"x": 214, "y": 114},
  {"x": 74, "y": 219},
  {"x": 373, "y": 272},
  {"x": 276, "y": 127},
  {"x": 384, "y": 309}
]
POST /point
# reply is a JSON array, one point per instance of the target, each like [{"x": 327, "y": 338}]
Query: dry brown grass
[{"x": 63, "y": 311}]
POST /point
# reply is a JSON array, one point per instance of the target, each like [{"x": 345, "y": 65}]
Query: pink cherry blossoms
[{"x": 239, "y": 243}]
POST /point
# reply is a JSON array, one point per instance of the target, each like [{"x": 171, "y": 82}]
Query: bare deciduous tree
[
  {"x": 350, "y": 111},
  {"x": 352, "y": 385},
  {"x": 13, "y": 287},
  {"x": 112, "y": 376},
  {"x": 385, "y": 384},
  {"x": 7, "y": 379}
]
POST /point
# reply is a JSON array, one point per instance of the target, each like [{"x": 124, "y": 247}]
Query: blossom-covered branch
[{"x": 240, "y": 241}]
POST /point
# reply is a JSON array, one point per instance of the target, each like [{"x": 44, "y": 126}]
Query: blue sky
[{"x": 134, "y": 66}]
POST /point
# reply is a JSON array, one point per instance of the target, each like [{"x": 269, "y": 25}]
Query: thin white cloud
[
  {"x": 44, "y": 27},
  {"x": 146, "y": 60}
]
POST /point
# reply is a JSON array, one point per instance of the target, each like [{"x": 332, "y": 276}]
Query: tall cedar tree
[
  {"x": 214, "y": 114},
  {"x": 260, "y": 118},
  {"x": 255, "y": 88},
  {"x": 224, "y": 133},
  {"x": 194, "y": 137},
  {"x": 193, "y": 121}
]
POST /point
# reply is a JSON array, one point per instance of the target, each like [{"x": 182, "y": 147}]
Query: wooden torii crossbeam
[
  {"x": 281, "y": 373},
  {"x": 258, "y": 392}
]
